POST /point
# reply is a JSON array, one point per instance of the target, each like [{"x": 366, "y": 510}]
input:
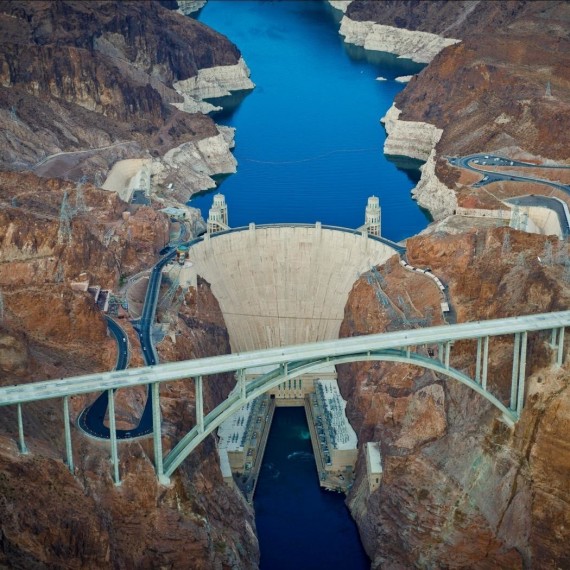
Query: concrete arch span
[
  {"x": 247, "y": 392},
  {"x": 284, "y": 285}
]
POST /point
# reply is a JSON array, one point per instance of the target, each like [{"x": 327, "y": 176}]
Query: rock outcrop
[
  {"x": 104, "y": 88},
  {"x": 420, "y": 47},
  {"x": 432, "y": 194},
  {"x": 49, "y": 330},
  {"x": 190, "y": 166},
  {"x": 418, "y": 140},
  {"x": 413, "y": 139},
  {"x": 486, "y": 94},
  {"x": 211, "y": 83}
]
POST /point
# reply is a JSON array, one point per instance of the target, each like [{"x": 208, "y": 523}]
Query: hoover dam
[{"x": 283, "y": 285}]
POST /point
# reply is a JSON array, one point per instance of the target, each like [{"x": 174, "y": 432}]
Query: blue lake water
[
  {"x": 309, "y": 148},
  {"x": 309, "y": 139}
]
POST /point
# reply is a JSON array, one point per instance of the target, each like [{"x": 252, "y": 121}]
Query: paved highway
[
  {"x": 474, "y": 162},
  {"x": 275, "y": 356},
  {"x": 91, "y": 419}
]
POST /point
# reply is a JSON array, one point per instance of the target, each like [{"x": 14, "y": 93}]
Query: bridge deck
[{"x": 275, "y": 356}]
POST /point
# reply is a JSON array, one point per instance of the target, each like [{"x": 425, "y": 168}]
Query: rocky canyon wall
[
  {"x": 460, "y": 488},
  {"x": 49, "y": 330},
  {"x": 487, "y": 93},
  {"x": 84, "y": 85}
]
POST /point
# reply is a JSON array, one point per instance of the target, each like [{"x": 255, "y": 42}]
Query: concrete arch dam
[{"x": 283, "y": 285}]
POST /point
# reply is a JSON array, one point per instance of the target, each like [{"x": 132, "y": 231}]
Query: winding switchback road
[{"x": 473, "y": 162}]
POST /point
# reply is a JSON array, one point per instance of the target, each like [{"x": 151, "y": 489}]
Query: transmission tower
[
  {"x": 516, "y": 218},
  {"x": 168, "y": 296},
  {"x": 547, "y": 256},
  {"x": 506, "y": 249},
  {"x": 566, "y": 274},
  {"x": 375, "y": 280},
  {"x": 65, "y": 215},
  {"x": 58, "y": 278},
  {"x": 108, "y": 235},
  {"x": 562, "y": 252},
  {"x": 79, "y": 198}
]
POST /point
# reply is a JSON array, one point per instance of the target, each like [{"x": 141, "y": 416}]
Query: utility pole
[{"x": 79, "y": 198}]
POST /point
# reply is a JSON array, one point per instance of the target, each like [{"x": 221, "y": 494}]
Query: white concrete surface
[{"x": 284, "y": 285}]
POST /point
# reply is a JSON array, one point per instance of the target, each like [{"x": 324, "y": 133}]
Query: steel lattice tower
[{"x": 65, "y": 215}]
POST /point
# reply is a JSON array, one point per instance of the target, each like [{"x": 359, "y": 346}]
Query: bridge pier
[
  {"x": 199, "y": 403},
  {"x": 485, "y": 363},
  {"x": 482, "y": 361},
  {"x": 560, "y": 354},
  {"x": 515, "y": 371},
  {"x": 157, "y": 434},
  {"x": 22, "y": 444},
  {"x": 518, "y": 375},
  {"x": 67, "y": 429},
  {"x": 113, "y": 430},
  {"x": 557, "y": 343},
  {"x": 242, "y": 386},
  {"x": 522, "y": 371}
]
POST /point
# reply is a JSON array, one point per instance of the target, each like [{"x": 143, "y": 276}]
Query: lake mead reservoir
[{"x": 308, "y": 138}]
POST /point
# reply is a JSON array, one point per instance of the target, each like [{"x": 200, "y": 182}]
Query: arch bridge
[{"x": 292, "y": 361}]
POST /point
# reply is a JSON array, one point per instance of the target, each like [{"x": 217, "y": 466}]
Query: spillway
[{"x": 283, "y": 285}]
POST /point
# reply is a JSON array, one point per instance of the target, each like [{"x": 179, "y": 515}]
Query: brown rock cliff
[{"x": 460, "y": 488}]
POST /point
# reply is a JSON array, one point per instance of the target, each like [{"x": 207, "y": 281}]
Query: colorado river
[{"x": 309, "y": 148}]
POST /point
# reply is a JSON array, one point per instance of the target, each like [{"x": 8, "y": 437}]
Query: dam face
[{"x": 283, "y": 285}]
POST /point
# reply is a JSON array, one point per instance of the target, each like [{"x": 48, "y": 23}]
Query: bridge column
[
  {"x": 68, "y": 449},
  {"x": 522, "y": 372},
  {"x": 560, "y": 353},
  {"x": 485, "y": 362},
  {"x": 22, "y": 444},
  {"x": 553, "y": 338},
  {"x": 447, "y": 350},
  {"x": 113, "y": 430},
  {"x": 199, "y": 403},
  {"x": 157, "y": 434},
  {"x": 515, "y": 372},
  {"x": 478, "y": 361},
  {"x": 440, "y": 351},
  {"x": 241, "y": 382}
]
